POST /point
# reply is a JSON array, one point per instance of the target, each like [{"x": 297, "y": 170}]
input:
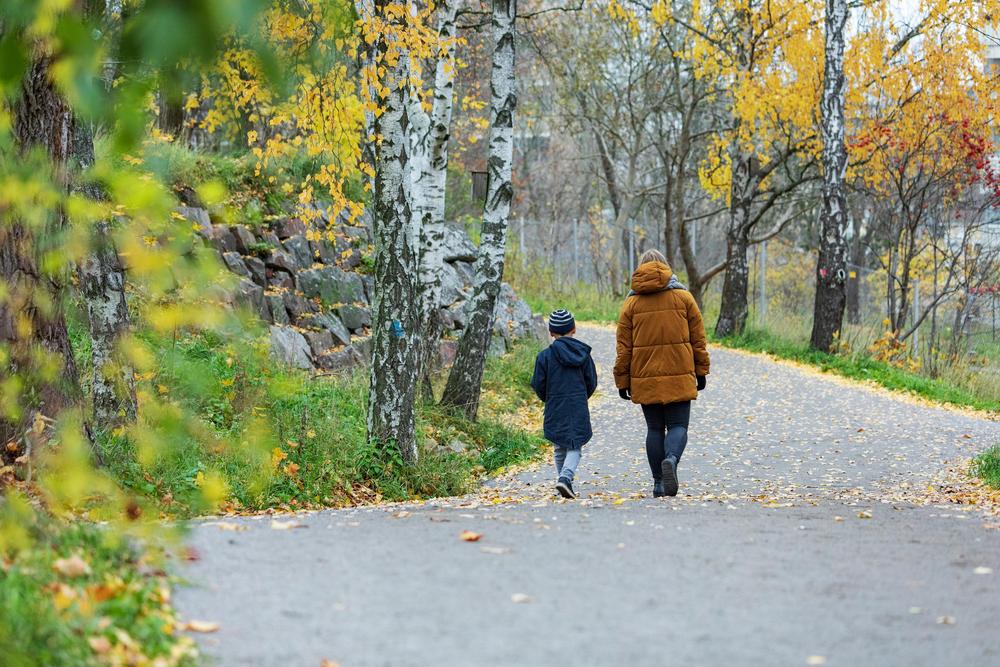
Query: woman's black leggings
[{"x": 666, "y": 432}]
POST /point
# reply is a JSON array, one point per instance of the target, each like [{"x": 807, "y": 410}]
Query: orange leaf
[{"x": 470, "y": 536}]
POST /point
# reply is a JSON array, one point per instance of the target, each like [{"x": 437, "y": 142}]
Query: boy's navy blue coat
[{"x": 565, "y": 377}]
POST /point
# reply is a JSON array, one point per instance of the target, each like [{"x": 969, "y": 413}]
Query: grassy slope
[
  {"x": 860, "y": 367},
  {"x": 278, "y": 438}
]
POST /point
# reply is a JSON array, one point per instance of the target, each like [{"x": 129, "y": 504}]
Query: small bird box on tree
[{"x": 480, "y": 185}]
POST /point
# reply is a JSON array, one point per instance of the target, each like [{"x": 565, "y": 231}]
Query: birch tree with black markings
[
  {"x": 430, "y": 172},
  {"x": 831, "y": 270},
  {"x": 464, "y": 382},
  {"x": 395, "y": 306}
]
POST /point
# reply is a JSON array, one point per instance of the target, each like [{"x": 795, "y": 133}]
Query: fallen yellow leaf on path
[
  {"x": 201, "y": 626},
  {"x": 285, "y": 525},
  {"x": 864, "y": 514},
  {"x": 470, "y": 536}
]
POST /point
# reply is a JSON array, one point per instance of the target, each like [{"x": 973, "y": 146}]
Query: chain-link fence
[{"x": 934, "y": 321}]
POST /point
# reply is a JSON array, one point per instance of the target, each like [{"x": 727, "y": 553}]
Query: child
[{"x": 565, "y": 377}]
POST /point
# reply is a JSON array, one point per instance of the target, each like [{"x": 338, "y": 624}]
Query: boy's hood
[{"x": 570, "y": 351}]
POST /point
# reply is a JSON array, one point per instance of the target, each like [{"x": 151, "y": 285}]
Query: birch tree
[
  {"x": 430, "y": 173},
  {"x": 464, "y": 382},
  {"x": 395, "y": 306},
  {"x": 831, "y": 269},
  {"x": 102, "y": 284}
]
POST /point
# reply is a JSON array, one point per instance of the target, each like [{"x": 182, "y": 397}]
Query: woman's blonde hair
[{"x": 652, "y": 255}]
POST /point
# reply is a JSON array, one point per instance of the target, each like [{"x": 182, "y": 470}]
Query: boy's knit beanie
[{"x": 561, "y": 322}]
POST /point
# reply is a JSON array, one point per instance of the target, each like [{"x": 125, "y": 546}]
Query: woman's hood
[{"x": 651, "y": 277}]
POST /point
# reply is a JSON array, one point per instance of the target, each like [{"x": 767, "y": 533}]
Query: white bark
[
  {"x": 464, "y": 381},
  {"x": 430, "y": 179},
  {"x": 831, "y": 269},
  {"x": 102, "y": 284},
  {"x": 395, "y": 306}
]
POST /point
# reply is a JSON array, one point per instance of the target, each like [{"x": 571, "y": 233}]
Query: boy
[{"x": 565, "y": 377}]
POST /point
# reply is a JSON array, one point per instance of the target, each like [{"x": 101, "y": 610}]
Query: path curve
[{"x": 767, "y": 556}]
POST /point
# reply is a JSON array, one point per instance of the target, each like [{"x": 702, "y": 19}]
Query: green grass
[
  {"x": 546, "y": 290},
  {"x": 273, "y": 437},
  {"x": 585, "y": 302},
  {"x": 987, "y": 467},
  {"x": 860, "y": 367},
  {"x": 50, "y": 617}
]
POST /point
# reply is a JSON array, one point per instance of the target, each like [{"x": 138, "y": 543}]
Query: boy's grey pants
[{"x": 566, "y": 461}]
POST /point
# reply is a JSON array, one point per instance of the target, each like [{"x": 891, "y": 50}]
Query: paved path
[{"x": 767, "y": 557}]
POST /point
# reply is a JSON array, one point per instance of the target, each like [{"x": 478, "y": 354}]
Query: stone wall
[{"x": 315, "y": 299}]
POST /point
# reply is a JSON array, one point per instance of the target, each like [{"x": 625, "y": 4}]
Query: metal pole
[
  {"x": 576, "y": 250},
  {"x": 762, "y": 278},
  {"x": 524, "y": 249}
]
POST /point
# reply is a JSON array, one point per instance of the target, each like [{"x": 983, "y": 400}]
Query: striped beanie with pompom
[{"x": 561, "y": 322}]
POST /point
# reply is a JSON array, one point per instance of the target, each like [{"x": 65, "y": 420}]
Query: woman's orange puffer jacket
[{"x": 661, "y": 339}]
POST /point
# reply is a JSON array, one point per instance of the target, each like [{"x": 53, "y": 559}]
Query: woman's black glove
[
  {"x": 701, "y": 382},
  {"x": 625, "y": 394}
]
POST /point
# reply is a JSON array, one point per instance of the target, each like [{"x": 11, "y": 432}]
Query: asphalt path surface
[{"x": 812, "y": 527}]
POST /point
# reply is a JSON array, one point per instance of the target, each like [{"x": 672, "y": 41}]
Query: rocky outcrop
[{"x": 316, "y": 302}]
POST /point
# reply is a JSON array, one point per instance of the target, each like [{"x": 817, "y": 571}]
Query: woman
[{"x": 662, "y": 362}]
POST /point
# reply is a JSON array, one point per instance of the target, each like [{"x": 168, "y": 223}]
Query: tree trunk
[
  {"x": 102, "y": 283},
  {"x": 465, "y": 379},
  {"x": 669, "y": 234},
  {"x": 171, "y": 116},
  {"x": 395, "y": 306},
  {"x": 733, "y": 310},
  {"x": 32, "y": 323},
  {"x": 831, "y": 269},
  {"x": 434, "y": 183}
]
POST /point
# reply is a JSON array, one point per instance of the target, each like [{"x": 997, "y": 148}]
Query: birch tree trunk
[
  {"x": 432, "y": 181},
  {"x": 395, "y": 306},
  {"x": 831, "y": 270},
  {"x": 102, "y": 283},
  {"x": 464, "y": 381},
  {"x": 32, "y": 323}
]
